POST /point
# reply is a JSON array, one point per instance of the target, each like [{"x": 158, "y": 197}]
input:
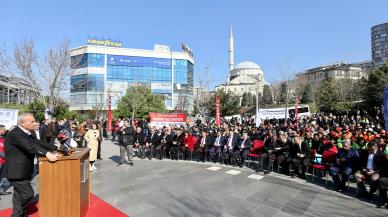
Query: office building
[{"x": 103, "y": 68}]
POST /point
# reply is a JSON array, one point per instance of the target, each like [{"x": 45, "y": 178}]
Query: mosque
[{"x": 245, "y": 77}]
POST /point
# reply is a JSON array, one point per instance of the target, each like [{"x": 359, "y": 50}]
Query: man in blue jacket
[{"x": 346, "y": 163}]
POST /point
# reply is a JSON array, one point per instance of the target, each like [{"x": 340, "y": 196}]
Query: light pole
[{"x": 257, "y": 104}]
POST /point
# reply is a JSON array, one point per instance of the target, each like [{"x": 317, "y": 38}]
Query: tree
[
  {"x": 306, "y": 94},
  {"x": 141, "y": 101},
  {"x": 373, "y": 88},
  {"x": 267, "y": 95},
  {"x": 283, "y": 93},
  {"x": 37, "y": 108},
  {"x": 328, "y": 98},
  {"x": 48, "y": 76},
  {"x": 229, "y": 103},
  {"x": 195, "y": 108},
  {"x": 247, "y": 99},
  {"x": 62, "y": 111}
]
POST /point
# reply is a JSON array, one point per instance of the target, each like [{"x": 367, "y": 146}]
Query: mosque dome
[{"x": 247, "y": 65}]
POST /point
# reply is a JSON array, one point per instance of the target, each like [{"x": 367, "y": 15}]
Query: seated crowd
[{"x": 345, "y": 146}]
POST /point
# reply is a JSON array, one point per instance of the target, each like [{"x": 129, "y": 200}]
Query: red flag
[
  {"x": 109, "y": 115},
  {"x": 296, "y": 111},
  {"x": 218, "y": 118}
]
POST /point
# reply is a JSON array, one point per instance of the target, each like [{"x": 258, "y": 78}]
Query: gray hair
[
  {"x": 23, "y": 116},
  {"x": 346, "y": 141}
]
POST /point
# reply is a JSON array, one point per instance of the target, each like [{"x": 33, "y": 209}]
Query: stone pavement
[{"x": 178, "y": 189}]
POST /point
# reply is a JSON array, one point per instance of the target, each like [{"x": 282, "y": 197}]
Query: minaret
[{"x": 231, "y": 53}]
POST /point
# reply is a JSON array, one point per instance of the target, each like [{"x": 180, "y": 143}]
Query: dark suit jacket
[
  {"x": 126, "y": 136},
  {"x": 379, "y": 162},
  {"x": 295, "y": 149},
  {"x": 178, "y": 140},
  {"x": 247, "y": 143},
  {"x": 139, "y": 138},
  {"x": 167, "y": 138},
  {"x": 222, "y": 141},
  {"x": 42, "y": 142},
  {"x": 20, "y": 150},
  {"x": 208, "y": 142},
  {"x": 153, "y": 139},
  {"x": 235, "y": 141}
]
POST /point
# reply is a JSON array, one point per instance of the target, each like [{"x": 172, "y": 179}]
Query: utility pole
[{"x": 286, "y": 113}]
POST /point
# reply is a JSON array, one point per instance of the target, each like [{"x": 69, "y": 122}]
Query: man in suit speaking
[{"x": 21, "y": 146}]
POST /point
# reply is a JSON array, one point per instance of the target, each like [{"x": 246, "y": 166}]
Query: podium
[{"x": 64, "y": 186}]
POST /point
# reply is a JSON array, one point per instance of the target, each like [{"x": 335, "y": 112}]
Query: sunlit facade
[{"x": 99, "y": 71}]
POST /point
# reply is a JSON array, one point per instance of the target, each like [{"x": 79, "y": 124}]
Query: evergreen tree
[
  {"x": 244, "y": 100},
  {"x": 248, "y": 99},
  {"x": 267, "y": 95},
  {"x": 283, "y": 92},
  {"x": 306, "y": 94},
  {"x": 328, "y": 98},
  {"x": 373, "y": 88},
  {"x": 229, "y": 103}
]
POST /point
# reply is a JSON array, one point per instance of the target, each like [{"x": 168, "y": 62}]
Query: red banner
[
  {"x": 109, "y": 114},
  {"x": 218, "y": 116},
  {"x": 296, "y": 111},
  {"x": 167, "y": 118}
]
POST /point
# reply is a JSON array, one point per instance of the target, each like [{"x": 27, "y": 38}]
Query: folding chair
[{"x": 254, "y": 155}]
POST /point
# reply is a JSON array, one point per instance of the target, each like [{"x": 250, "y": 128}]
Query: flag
[
  {"x": 109, "y": 114},
  {"x": 296, "y": 112},
  {"x": 218, "y": 116}
]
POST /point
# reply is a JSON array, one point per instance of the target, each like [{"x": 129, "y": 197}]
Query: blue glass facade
[
  {"x": 88, "y": 60},
  {"x": 156, "y": 73}
]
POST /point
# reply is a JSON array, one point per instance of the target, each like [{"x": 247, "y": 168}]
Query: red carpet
[{"x": 98, "y": 208}]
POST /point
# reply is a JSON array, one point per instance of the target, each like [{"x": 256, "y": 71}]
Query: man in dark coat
[
  {"x": 20, "y": 149},
  {"x": 203, "y": 143},
  {"x": 152, "y": 143},
  {"x": 244, "y": 146},
  {"x": 300, "y": 155},
  {"x": 126, "y": 141}
]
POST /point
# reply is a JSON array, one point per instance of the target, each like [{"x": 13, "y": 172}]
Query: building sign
[
  {"x": 107, "y": 43},
  {"x": 187, "y": 50},
  {"x": 118, "y": 60},
  {"x": 160, "y": 86},
  {"x": 8, "y": 117},
  {"x": 161, "y": 48},
  {"x": 165, "y": 119}
]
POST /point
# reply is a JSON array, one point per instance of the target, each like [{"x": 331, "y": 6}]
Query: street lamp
[{"x": 257, "y": 103}]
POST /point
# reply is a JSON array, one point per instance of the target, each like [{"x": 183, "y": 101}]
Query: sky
[{"x": 282, "y": 36}]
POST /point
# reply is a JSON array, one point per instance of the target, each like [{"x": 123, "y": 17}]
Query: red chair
[
  {"x": 192, "y": 143},
  {"x": 254, "y": 154},
  {"x": 323, "y": 167}
]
